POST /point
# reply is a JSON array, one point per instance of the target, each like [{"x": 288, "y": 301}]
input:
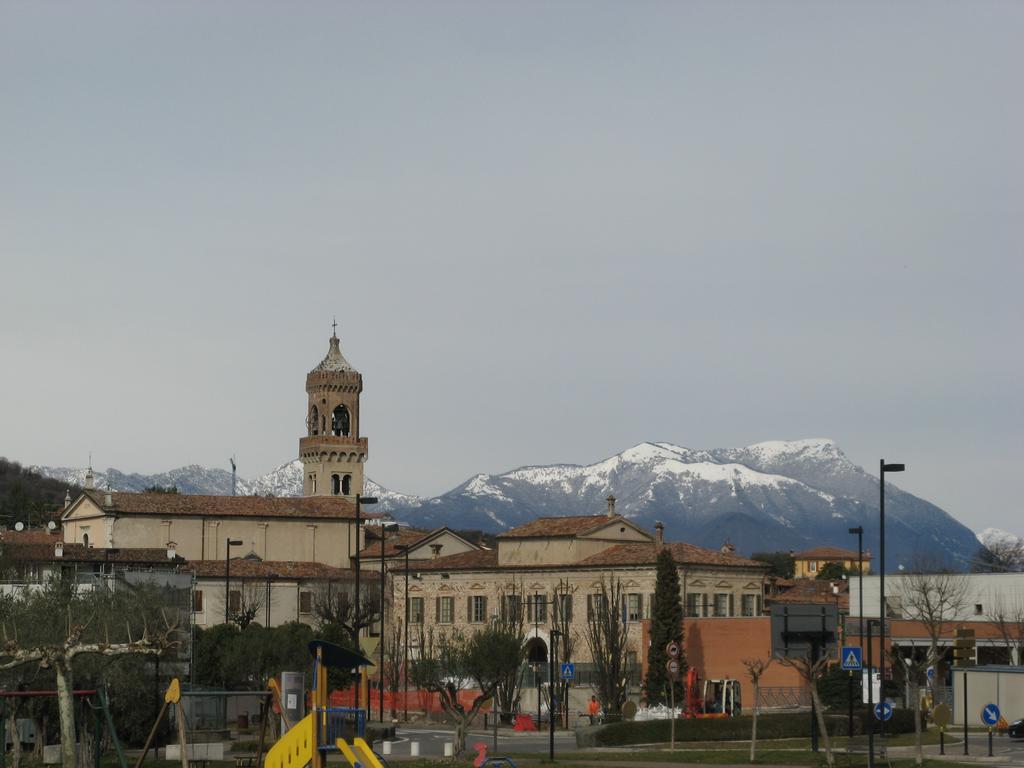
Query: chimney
[
  {"x": 435, "y": 551},
  {"x": 727, "y": 548},
  {"x": 611, "y": 505},
  {"x": 108, "y": 500},
  {"x": 89, "y": 480},
  {"x": 659, "y": 534},
  {"x": 58, "y": 549},
  {"x": 67, "y": 498}
]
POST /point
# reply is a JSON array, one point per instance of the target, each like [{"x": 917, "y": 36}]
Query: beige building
[
  {"x": 554, "y": 567},
  {"x": 319, "y": 530},
  {"x": 809, "y": 563}
]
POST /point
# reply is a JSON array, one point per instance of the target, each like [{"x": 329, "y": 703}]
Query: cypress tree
[{"x": 666, "y": 627}]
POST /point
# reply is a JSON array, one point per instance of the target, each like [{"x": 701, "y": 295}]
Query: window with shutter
[
  {"x": 197, "y": 601},
  {"x": 305, "y": 602}
]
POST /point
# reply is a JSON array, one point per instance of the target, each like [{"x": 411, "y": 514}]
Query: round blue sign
[
  {"x": 990, "y": 715},
  {"x": 883, "y": 710}
]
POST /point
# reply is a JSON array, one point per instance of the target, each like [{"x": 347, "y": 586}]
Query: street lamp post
[
  {"x": 360, "y": 500},
  {"x": 555, "y": 634},
  {"x": 404, "y": 548},
  {"x": 384, "y": 528},
  {"x": 859, "y": 530},
  {"x": 883, "y": 468},
  {"x": 227, "y": 577}
]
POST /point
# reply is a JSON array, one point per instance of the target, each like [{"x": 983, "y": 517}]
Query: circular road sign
[
  {"x": 990, "y": 715},
  {"x": 883, "y": 710},
  {"x": 941, "y": 715},
  {"x": 672, "y": 649},
  {"x": 672, "y": 666}
]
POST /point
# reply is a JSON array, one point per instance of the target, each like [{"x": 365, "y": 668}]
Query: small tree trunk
[
  {"x": 461, "y": 731},
  {"x": 753, "y": 727},
  {"x": 12, "y": 728},
  {"x": 66, "y": 708},
  {"x": 919, "y": 754},
  {"x": 820, "y": 714}
]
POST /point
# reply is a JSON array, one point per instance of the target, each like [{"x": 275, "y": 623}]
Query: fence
[{"x": 784, "y": 697}]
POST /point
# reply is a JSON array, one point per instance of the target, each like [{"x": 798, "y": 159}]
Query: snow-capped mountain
[
  {"x": 777, "y": 495},
  {"x": 997, "y": 537}
]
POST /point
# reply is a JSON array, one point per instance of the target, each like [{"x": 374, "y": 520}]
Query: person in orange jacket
[{"x": 593, "y": 708}]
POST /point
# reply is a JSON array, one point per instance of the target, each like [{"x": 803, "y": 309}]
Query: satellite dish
[
  {"x": 19, "y": 526},
  {"x": 51, "y": 526}
]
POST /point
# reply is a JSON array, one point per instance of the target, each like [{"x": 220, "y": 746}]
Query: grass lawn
[{"x": 726, "y": 757}]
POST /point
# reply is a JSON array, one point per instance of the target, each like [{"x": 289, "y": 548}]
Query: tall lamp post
[
  {"x": 384, "y": 528},
  {"x": 883, "y": 468},
  {"x": 404, "y": 548},
  {"x": 227, "y": 577},
  {"x": 555, "y": 634},
  {"x": 360, "y": 500},
  {"x": 859, "y": 531}
]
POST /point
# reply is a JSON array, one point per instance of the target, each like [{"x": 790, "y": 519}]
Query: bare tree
[
  {"x": 1005, "y": 556},
  {"x": 606, "y": 633},
  {"x": 810, "y": 671},
  {"x": 914, "y": 672},
  {"x": 933, "y": 599},
  {"x": 393, "y": 658},
  {"x": 510, "y": 621},
  {"x": 565, "y": 641},
  {"x": 755, "y": 668},
  {"x": 334, "y": 604},
  {"x": 1007, "y": 616},
  {"x": 252, "y": 597}
]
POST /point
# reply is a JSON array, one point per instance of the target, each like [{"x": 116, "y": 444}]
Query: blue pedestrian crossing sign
[
  {"x": 852, "y": 659},
  {"x": 568, "y": 670},
  {"x": 883, "y": 710},
  {"x": 990, "y": 715}
]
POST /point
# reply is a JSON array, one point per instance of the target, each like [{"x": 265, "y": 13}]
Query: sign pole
[{"x": 965, "y": 713}]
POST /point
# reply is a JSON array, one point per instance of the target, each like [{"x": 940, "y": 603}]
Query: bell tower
[{"x": 332, "y": 451}]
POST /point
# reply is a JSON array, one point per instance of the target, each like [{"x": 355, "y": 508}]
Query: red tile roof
[
  {"x": 574, "y": 525},
  {"x": 682, "y": 553},
  {"x": 476, "y": 560},
  {"x": 181, "y": 504},
  {"x": 79, "y": 553},
  {"x": 32, "y": 536},
  {"x": 828, "y": 553},
  {"x": 815, "y": 592},
  {"x": 243, "y": 568},
  {"x": 404, "y": 536}
]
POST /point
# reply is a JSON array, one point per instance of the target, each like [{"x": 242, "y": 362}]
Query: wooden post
[{"x": 182, "y": 741}]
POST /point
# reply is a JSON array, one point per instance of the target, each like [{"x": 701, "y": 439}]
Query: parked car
[{"x": 1016, "y": 729}]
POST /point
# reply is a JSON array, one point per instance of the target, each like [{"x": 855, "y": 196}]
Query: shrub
[{"x": 769, "y": 726}]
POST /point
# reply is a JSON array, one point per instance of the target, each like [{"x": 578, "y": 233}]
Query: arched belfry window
[
  {"x": 346, "y": 485},
  {"x": 340, "y": 421},
  {"x": 314, "y": 421},
  {"x": 335, "y": 484}
]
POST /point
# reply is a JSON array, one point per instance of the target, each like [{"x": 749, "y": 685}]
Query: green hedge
[{"x": 769, "y": 726}]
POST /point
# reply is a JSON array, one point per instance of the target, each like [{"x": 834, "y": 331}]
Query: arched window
[
  {"x": 340, "y": 421},
  {"x": 335, "y": 484},
  {"x": 85, "y": 540},
  {"x": 346, "y": 485},
  {"x": 314, "y": 421}
]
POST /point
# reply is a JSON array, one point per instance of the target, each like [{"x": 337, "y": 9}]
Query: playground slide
[
  {"x": 295, "y": 748},
  {"x": 359, "y": 755}
]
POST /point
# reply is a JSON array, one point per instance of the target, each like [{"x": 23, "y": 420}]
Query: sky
[{"x": 548, "y": 231}]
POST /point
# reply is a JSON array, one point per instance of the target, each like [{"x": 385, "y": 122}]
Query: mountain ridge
[{"x": 766, "y": 496}]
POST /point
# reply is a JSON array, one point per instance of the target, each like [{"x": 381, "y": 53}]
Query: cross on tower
[{"x": 334, "y": 326}]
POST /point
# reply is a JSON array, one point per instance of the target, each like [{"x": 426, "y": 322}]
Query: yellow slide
[
  {"x": 359, "y": 754},
  {"x": 295, "y": 748}
]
